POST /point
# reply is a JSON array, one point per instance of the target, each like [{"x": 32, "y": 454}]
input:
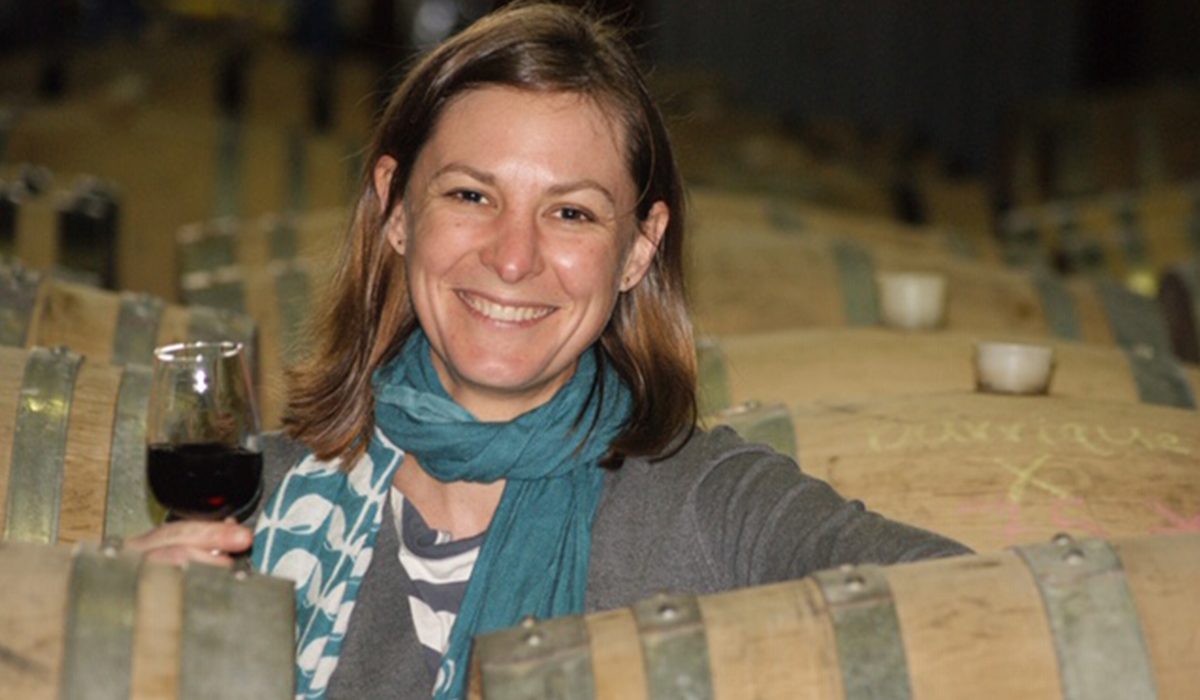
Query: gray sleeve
[
  {"x": 722, "y": 514},
  {"x": 768, "y": 521}
]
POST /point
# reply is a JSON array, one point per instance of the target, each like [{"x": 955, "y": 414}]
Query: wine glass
[{"x": 203, "y": 459}]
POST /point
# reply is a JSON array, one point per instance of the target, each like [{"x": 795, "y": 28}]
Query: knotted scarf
[{"x": 534, "y": 559}]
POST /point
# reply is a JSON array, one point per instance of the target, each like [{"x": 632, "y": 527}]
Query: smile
[{"x": 502, "y": 312}]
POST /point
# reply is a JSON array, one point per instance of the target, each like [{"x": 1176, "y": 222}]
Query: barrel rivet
[
  {"x": 1062, "y": 539},
  {"x": 855, "y": 583},
  {"x": 668, "y": 612},
  {"x": 1074, "y": 556},
  {"x": 532, "y": 639},
  {"x": 529, "y": 622},
  {"x": 111, "y": 546}
]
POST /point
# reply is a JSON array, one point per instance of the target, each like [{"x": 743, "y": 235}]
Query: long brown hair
[{"x": 367, "y": 314}]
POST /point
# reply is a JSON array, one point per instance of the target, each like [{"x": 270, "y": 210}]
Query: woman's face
[{"x": 519, "y": 233}]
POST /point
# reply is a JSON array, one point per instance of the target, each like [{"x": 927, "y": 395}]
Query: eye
[
  {"x": 574, "y": 214},
  {"x": 468, "y": 196}
]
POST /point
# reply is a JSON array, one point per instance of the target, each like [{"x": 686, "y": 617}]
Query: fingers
[{"x": 193, "y": 541}]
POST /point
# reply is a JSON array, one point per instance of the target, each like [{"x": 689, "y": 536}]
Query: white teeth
[{"x": 512, "y": 314}]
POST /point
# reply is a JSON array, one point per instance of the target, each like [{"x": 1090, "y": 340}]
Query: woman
[{"x": 507, "y": 319}]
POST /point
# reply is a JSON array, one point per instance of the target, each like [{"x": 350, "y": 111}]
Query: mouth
[{"x": 504, "y": 312}]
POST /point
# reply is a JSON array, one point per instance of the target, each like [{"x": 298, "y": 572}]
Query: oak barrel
[
  {"x": 827, "y": 364},
  {"x": 1131, "y": 235},
  {"x": 93, "y": 623},
  {"x": 993, "y": 471},
  {"x": 222, "y": 168},
  {"x": 269, "y": 268},
  {"x": 72, "y": 448},
  {"x": 722, "y": 210},
  {"x": 121, "y": 328},
  {"x": 67, "y": 224},
  {"x": 278, "y": 296},
  {"x": 1085, "y": 619},
  {"x": 746, "y": 282},
  {"x": 257, "y": 243}
]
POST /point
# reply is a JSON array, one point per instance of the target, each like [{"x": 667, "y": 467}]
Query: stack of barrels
[
  {"x": 93, "y": 188},
  {"x": 1080, "y": 494}
]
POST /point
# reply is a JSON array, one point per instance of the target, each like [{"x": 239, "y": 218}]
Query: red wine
[{"x": 205, "y": 481}]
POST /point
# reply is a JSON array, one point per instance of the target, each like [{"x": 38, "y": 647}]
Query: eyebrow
[{"x": 560, "y": 189}]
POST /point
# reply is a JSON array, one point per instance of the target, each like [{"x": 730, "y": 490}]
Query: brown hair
[{"x": 367, "y": 314}]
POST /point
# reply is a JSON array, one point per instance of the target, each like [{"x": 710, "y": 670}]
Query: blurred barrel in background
[
  {"x": 831, "y": 364},
  {"x": 271, "y": 269},
  {"x": 731, "y": 210},
  {"x": 279, "y": 297},
  {"x": 745, "y": 282},
  {"x": 120, "y": 328},
  {"x": 174, "y": 169},
  {"x": 1131, "y": 235},
  {"x": 67, "y": 225},
  {"x": 259, "y": 242}
]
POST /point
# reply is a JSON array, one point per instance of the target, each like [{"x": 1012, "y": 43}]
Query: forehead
[{"x": 533, "y": 122}]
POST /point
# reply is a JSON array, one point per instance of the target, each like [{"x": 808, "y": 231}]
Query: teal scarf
[{"x": 534, "y": 559}]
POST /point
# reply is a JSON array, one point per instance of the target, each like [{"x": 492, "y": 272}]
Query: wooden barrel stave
[
  {"x": 995, "y": 625},
  {"x": 1161, "y": 591},
  {"x": 85, "y": 475},
  {"x": 90, "y": 622},
  {"x": 995, "y": 471}
]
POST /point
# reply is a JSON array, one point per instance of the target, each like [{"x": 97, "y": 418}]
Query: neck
[{"x": 462, "y": 508}]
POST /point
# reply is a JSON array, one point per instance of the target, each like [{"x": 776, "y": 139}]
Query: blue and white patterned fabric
[{"x": 319, "y": 530}]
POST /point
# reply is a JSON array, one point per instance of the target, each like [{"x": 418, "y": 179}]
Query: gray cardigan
[{"x": 719, "y": 514}]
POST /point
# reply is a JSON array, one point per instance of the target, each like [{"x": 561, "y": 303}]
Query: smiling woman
[
  {"x": 519, "y": 234},
  {"x": 497, "y": 417}
]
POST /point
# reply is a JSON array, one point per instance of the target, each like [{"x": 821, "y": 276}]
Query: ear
[
  {"x": 394, "y": 228},
  {"x": 645, "y": 245}
]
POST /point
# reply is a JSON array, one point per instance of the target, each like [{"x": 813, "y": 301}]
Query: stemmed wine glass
[{"x": 203, "y": 458}]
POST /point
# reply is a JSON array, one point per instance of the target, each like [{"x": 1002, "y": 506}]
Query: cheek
[
  {"x": 433, "y": 247},
  {"x": 588, "y": 269}
]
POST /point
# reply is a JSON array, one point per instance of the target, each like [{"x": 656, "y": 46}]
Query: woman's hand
[{"x": 193, "y": 541}]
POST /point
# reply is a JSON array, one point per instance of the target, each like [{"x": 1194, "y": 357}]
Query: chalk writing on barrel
[
  {"x": 1175, "y": 522},
  {"x": 1066, "y": 514},
  {"x": 1026, "y": 476},
  {"x": 1104, "y": 441},
  {"x": 1011, "y": 528}
]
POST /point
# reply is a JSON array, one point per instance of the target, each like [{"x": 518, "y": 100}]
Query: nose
[{"x": 514, "y": 250}]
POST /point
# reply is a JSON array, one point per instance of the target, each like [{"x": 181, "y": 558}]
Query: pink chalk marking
[
  {"x": 1176, "y": 522},
  {"x": 1012, "y": 528},
  {"x": 1062, "y": 521}
]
